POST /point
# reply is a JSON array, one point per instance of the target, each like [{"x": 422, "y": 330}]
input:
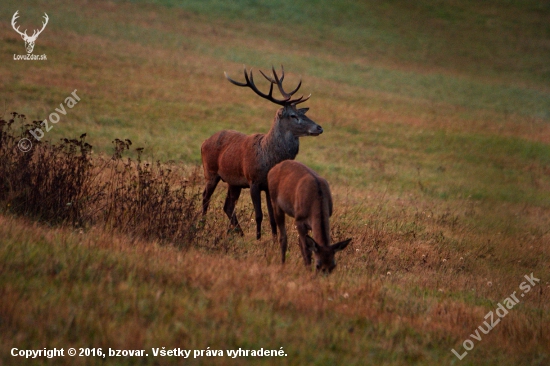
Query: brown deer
[
  {"x": 299, "y": 192},
  {"x": 242, "y": 161}
]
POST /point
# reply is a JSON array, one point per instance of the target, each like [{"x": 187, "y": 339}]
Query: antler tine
[
  {"x": 250, "y": 83},
  {"x": 236, "y": 82},
  {"x": 280, "y": 84},
  {"x": 13, "y": 19},
  {"x": 268, "y": 78},
  {"x": 299, "y": 84},
  {"x": 300, "y": 100},
  {"x": 252, "y": 86},
  {"x": 298, "y": 87},
  {"x": 46, "y": 18},
  {"x": 282, "y": 74},
  {"x": 37, "y": 32}
]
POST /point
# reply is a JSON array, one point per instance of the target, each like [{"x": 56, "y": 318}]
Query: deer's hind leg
[
  {"x": 233, "y": 193},
  {"x": 211, "y": 184}
]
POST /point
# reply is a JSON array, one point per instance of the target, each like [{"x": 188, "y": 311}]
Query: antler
[
  {"x": 15, "y": 16},
  {"x": 37, "y": 33},
  {"x": 279, "y": 81}
]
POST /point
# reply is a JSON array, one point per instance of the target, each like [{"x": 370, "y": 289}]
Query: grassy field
[{"x": 436, "y": 145}]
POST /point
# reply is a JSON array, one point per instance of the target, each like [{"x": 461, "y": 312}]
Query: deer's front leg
[
  {"x": 255, "y": 194},
  {"x": 272, "y": 220},
  {"x": 306, "y": 252},
  {"x": 279, "y": 216}
]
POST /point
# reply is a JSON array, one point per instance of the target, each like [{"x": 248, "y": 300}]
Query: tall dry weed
[{"x": 62, "y": 184}]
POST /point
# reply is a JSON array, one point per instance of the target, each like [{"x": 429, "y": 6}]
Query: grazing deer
[
  {"x": 243, "y": 161},
  {"x": 29, "y": 40},
  {"x": 302, "y": 194}
]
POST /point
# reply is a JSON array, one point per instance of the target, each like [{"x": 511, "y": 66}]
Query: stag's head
[
  {"x": 295, "y": 120},
  {"x": 29, "y": 40},
  {"x": 292, "y": 119},
  {"x": 324, "y": 255}
]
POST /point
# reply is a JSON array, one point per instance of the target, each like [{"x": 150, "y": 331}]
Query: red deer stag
[
  {"x": 300, "y": 193},
  {"x": 243, "y": 161}
]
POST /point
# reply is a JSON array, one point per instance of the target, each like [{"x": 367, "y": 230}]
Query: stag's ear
[
  {"x": 340, "y": 246},
  {"x": 312, "y": 244},
  {"x": 303, "y": 110}
]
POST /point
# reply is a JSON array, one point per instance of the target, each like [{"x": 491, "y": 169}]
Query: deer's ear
[
  {"x": 341, "y": 245},
  {"x": 303, "y": 110},
  {"x": 312, "y": 244}
]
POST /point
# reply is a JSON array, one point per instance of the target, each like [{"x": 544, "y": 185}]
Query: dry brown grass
[{"x": 390, "y": 280}]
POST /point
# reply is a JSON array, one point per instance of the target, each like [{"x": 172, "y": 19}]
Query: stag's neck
[{"x": 281, "y": 143}]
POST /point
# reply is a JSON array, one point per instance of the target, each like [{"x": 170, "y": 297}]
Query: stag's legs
[
  {"x": 255, "y": 194},
  {"x": 280, "y": 220},
  {"x": 233, "y": 194},
  {"x": 272, "y": 220},
  {"x": 208, "y": 191},
  {"x": 306, "y": 252}
]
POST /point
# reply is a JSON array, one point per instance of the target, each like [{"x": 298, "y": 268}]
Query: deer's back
[{"x": 298, "y": 190}]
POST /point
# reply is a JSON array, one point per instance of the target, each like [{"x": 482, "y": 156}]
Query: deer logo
[{"x": 29, "y": 40}]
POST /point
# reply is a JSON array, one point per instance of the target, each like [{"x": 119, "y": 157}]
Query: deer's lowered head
[
  {"x": 324, "y": 255},
  {"x": 29, "y": 40}
]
